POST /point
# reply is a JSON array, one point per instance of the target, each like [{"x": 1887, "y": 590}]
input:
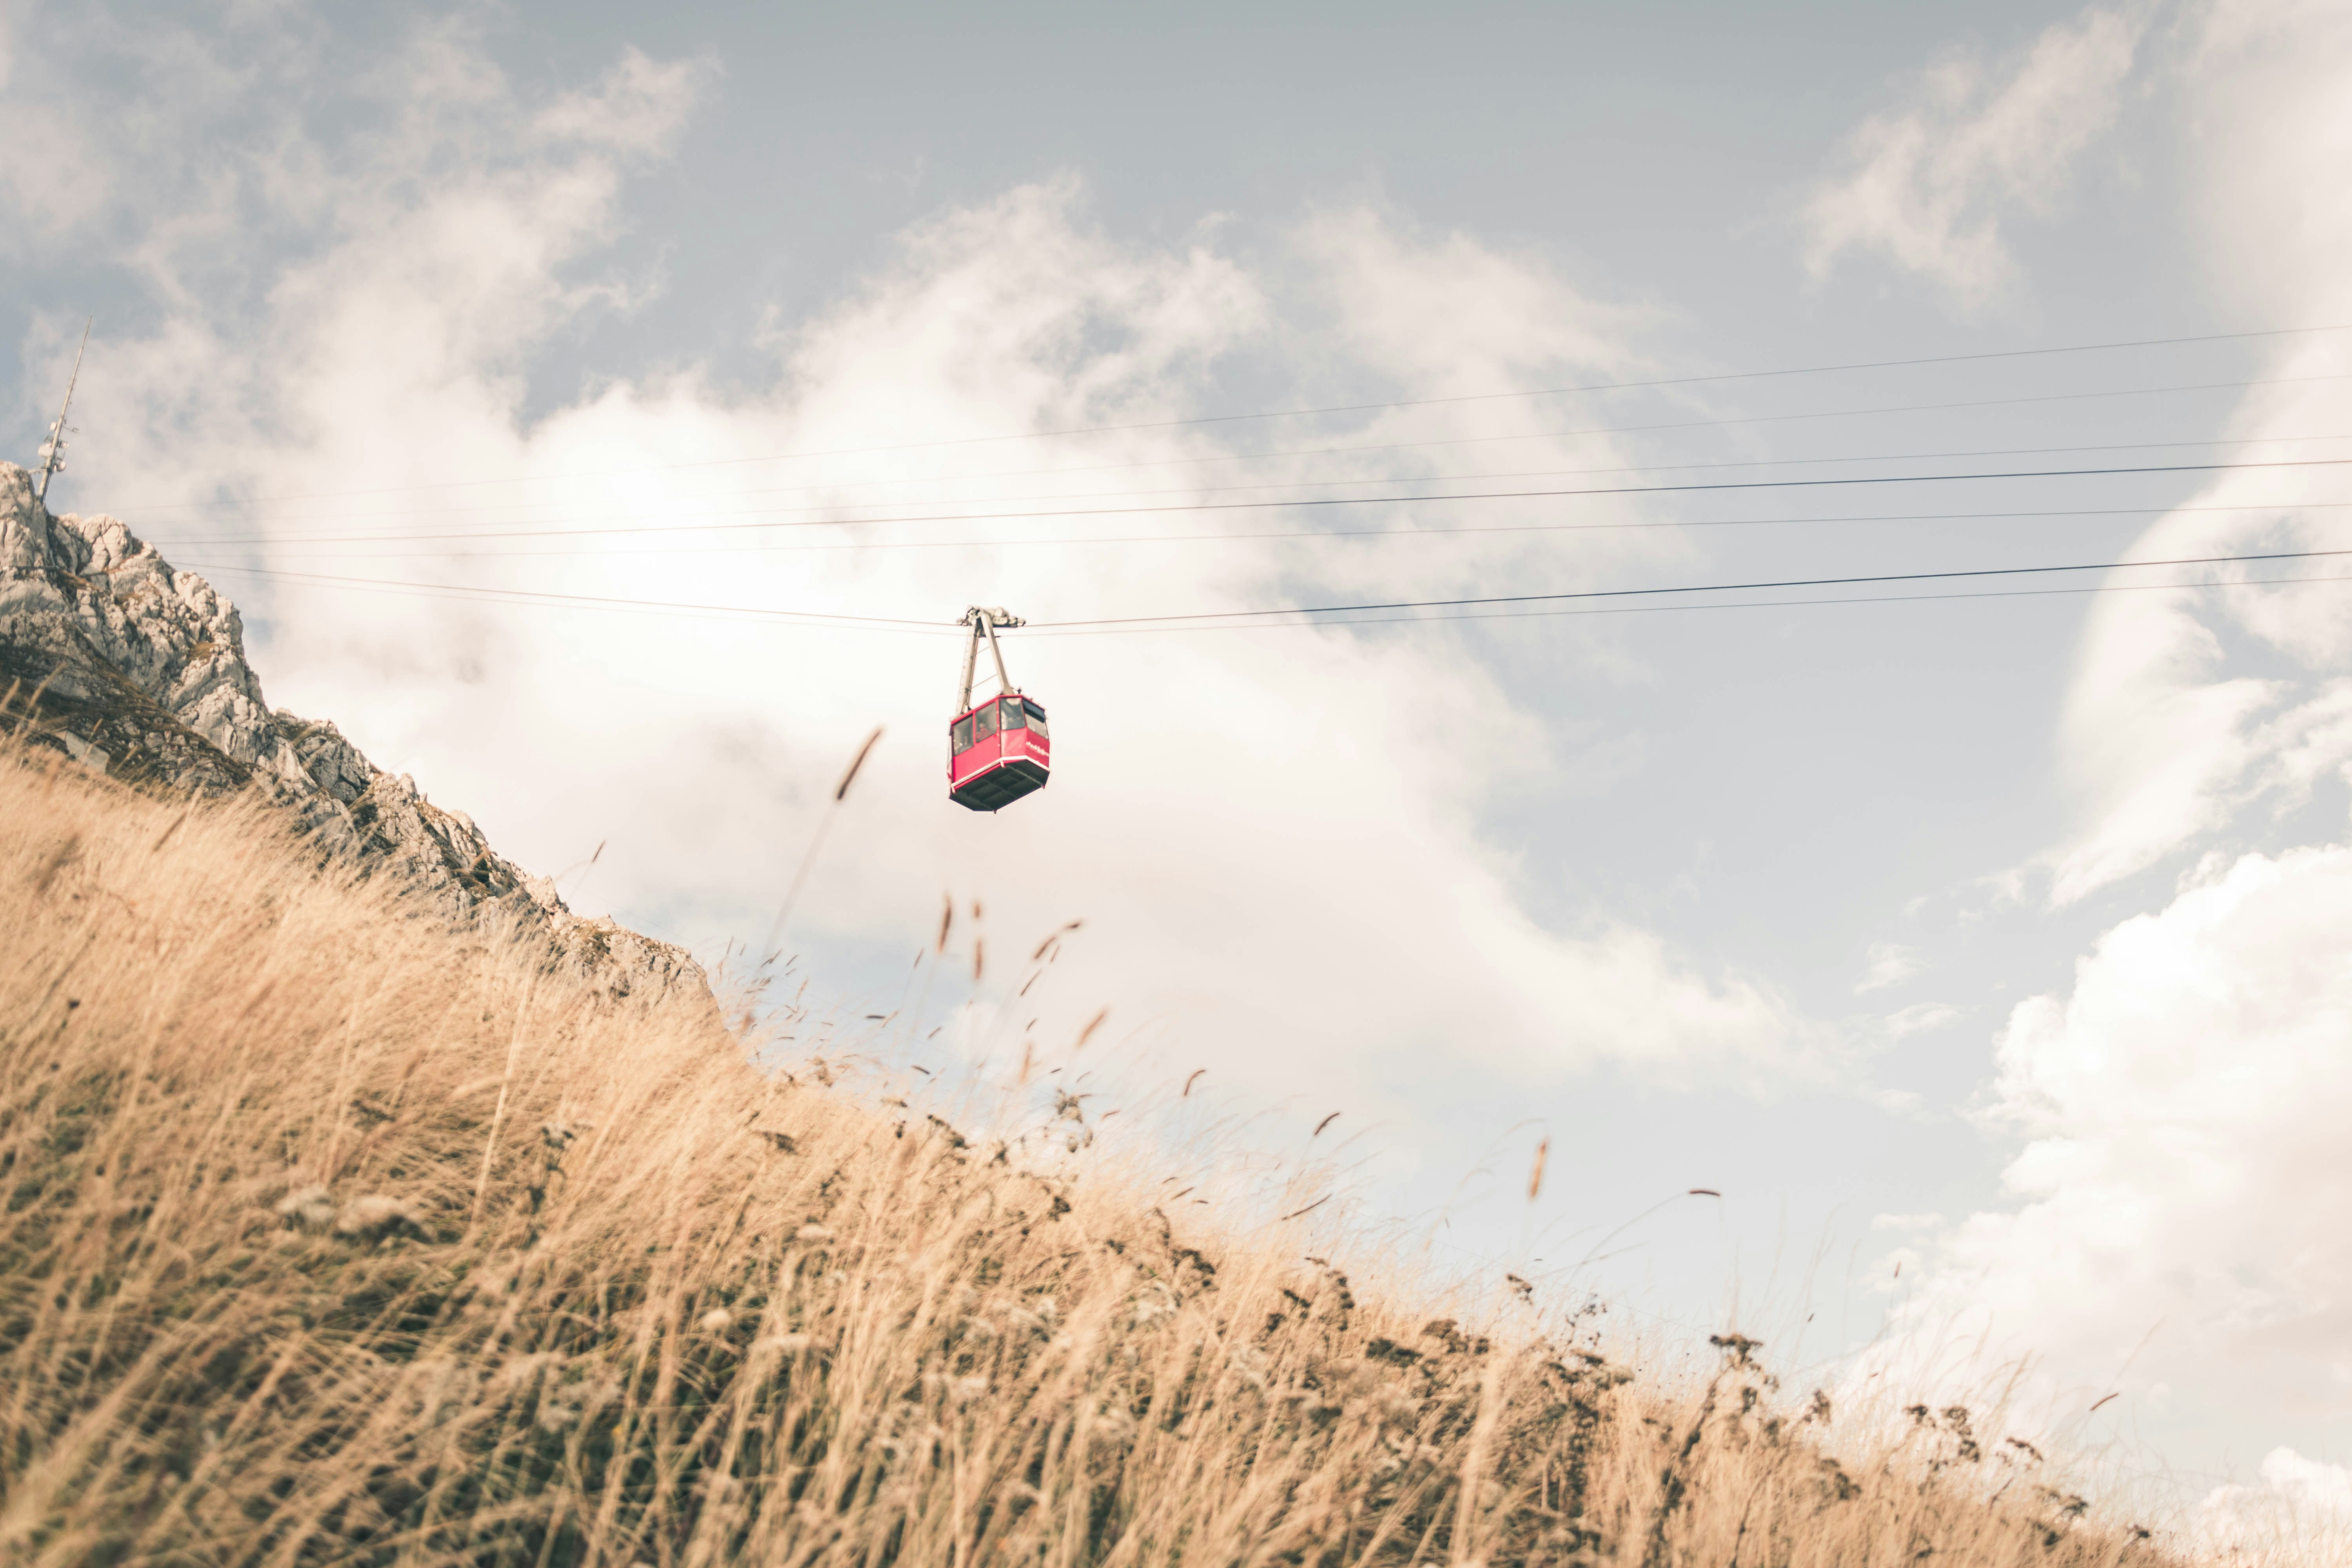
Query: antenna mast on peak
[{"x": 53, "y": 450}]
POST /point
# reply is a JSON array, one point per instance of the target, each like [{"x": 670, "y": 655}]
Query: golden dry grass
[{"x": 334, "y": 1235}]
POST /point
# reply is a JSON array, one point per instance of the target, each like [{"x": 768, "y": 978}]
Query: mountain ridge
[{"x": 136, "y": 669}]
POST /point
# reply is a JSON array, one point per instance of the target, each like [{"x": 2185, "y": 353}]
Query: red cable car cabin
[{"x": 997, "y": 753}]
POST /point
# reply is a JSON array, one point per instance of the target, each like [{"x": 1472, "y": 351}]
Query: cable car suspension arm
[{"x": 984, "y": 622}]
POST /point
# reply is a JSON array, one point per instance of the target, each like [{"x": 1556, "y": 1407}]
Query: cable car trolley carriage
[{"x": 997, "y": 751}]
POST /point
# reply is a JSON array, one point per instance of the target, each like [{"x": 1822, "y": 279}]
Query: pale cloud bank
[
  {"x": 1926, "y": 187},
  {"x": 2298, "y": 1515},
  {"x": 2180, "y": 1198},
  {"x": 2194, "y": 712},
  {"x": 1890, "y": 964},
  {"x": 2181, "y": 1188},
  {"x": 641, "y": 105},
  {"x": 1921, "y": 1018}
]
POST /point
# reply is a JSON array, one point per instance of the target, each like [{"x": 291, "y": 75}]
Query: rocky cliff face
[{"x": 137, "y": 670}]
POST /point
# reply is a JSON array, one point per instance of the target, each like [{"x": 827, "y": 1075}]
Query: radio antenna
[{"x": 53, "y": 450}]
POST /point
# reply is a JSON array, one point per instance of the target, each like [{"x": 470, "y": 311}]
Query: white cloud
[
  {"x": 1922, "y": 1017},
  {"x": 1891, "y": 964},
  {"x": 50, "y": 182},
  {"x": 641, "y": 105},
  {"x": 1926, "y": 187},
  {"x": 1449, "y": 314},
  {"x": 2299, "y": 1515},
  {"x": 1273, "y": 835},
  {"x": 2184, "y": 1211},
  {"x": 2177, "y": 1200},
  {"x": 1908, "y": 1224},
  {"x": 2195, "y": 713}
]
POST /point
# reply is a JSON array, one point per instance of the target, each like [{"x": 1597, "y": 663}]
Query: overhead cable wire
[
  {"x": 1720, "y": 604},
  {"x": 1196, "y": 420},
  {"x": 726, "y": 612},
  {"x": 1682, "y": 488},
  {"x": 1013, "y": 502},
  {"x": 1641, "y": 429},
  {"x": 154, "y": 511},
  {"x": 1402, "y": 532},
  {"x": 1199, "y": 617},
  {"x": 1582, "y": 594},
  {"x": 675, "y": 526},
  {"x": 473, "y": 593},
  {"x": 1716, "y": 377}
]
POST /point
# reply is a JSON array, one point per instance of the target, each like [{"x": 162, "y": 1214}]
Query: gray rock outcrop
[{"x": 115, "y": 660}]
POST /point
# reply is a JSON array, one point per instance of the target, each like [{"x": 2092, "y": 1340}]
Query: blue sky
[{"x": 1991, "y": 937}]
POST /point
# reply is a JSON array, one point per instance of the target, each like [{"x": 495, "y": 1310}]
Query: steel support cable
[
  {"x": 1697, "y": 588},
  {"x": 152, "y": 511},
  {"x": 480, "y": 590},
  {"x": 473, "y": 593},
  {"x": 676, "y": 527},
  {"x": 1717, "y": 604},
  {"x": 1683, "y": 488},
  {"x": 1406, "y": 531},
  {"x": 1643, "y": 430},
  {"x": 1711, "y": 378},
  {"x": 941, "y": 629},
  {"x": 1697, "y": 380},
  {"x": 833, "y": 519}
]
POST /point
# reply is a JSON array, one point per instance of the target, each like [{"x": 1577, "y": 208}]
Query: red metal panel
[
  {"x": 993, "y": 773},
  {"x": 969, "y": 764}
]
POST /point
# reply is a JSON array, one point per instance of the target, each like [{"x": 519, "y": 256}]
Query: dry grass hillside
[{"x": 334, "y": 1235}]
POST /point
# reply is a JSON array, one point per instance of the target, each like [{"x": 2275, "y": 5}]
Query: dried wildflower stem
[
  {"x": 506, "y": 1083},
  {"x": 1473, "y": 1462}
]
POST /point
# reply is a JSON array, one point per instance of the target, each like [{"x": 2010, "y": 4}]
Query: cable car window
[
  {"x": 984, "y": 722},
  {"x": 1036, "y": 719},
  {"x": 1013, "y": 714},
  {"x": 962, "y": 735}
]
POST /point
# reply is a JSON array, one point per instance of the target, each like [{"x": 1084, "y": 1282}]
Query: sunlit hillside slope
[{"x": 336, "y": 1234}]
